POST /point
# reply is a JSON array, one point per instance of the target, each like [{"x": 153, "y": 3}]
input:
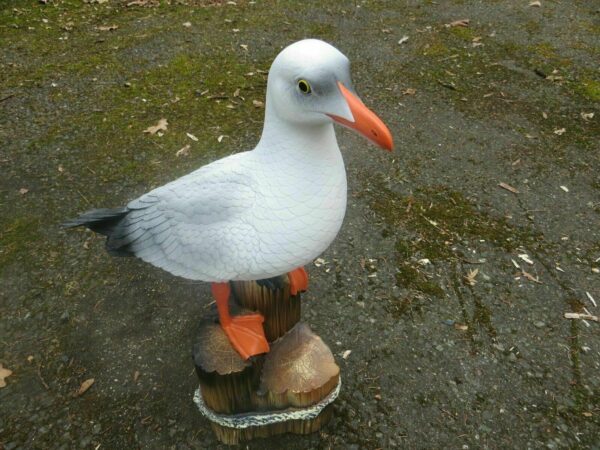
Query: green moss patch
[{"x": 430, "y": 223}]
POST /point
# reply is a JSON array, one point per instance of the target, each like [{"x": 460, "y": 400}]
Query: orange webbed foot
[
  {"x": 246, "y": 335},
  {"x": 298, "y": 280}
]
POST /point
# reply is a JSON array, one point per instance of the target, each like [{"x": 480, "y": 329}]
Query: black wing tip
[
  {"x": 118, "y": 251},
  {"x": 101, "y": 220}
]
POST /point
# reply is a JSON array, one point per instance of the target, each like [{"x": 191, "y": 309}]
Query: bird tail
[{"x": 103, "y": 221}]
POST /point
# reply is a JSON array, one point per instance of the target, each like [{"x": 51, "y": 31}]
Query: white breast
[{"x": 299, "y": 209}]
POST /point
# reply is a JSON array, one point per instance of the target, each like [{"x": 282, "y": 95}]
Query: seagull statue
[{"x": 257, "y": 214}]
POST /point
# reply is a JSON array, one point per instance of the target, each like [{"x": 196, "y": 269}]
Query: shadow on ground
[{"x": 449, "y": 290}]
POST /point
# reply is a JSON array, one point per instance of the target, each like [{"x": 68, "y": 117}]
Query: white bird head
[{"x": 309, "y": 84}]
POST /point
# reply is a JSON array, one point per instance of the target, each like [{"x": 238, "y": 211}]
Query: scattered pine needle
[
  {"x": 531, "y": 277},
  {"x": 591, "y": 299},
  {"x": 508, "y": 187}
]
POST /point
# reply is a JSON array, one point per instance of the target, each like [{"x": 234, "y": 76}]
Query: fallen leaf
[
  {"x": 4, "y": 373},
  {"x": 564, "y": 188},
  {"x": 30, "y": 358},
  {"x": 136, "y": 375},
  {"x": 403, "y": 39},
  {"x": 23, "y": 191},
  {"x": 160, "y": 126},
  {"x": 320, "y": 261},
  {"x": 424, "y": 262},
  {"x": 470, "y": 277},
  {"x": 409, "y": 91},
  {"x": 587, "y": 116},
  {"x": 461, "y": 327},
  {"x": 508, "y": 187},
  {"x": 107, "y": 27},
  {"x": 346, "y": 354},
  {"x": 84, "y": 387},
  {"x": 377, "y": 397},
  {"x": 187, "y": 24},
  {"x": 244, "y": 46},
  {"x": 192, "y": 137},
  {"x": 560, "y": 131},
  {"x": 220, "y": 138},
  {"x": 535, "y": 3},
  {"x": 587, "y": 414},
  {"x": 544, "y": 114},
  {"x": 258, "y": 103},
  {"x": 184, "y": 151},
  {"x": 458, "y": 23}
]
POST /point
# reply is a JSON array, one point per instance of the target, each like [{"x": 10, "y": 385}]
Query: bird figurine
[{"x": 257, "y": 214}]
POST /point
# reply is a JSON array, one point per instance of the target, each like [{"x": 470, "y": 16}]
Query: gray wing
[{"x": 195, "y": 226}]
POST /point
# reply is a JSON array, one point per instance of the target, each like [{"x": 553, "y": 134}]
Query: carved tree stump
[{"x": 289, "y": 389}]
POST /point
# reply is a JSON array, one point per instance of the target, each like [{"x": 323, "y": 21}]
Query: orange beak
[{"x": 365, "y": 122}]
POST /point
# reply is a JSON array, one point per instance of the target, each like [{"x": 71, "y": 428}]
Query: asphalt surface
[{"x": 449, "y": 289}]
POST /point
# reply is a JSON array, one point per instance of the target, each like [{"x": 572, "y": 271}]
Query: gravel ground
[{"x": 448, "y": 289}]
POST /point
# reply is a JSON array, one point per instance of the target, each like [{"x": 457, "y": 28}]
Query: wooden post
[{"x": 289, "y": 389}]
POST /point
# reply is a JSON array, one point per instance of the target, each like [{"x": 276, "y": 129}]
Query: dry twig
[{"x": 582, "y": 316}]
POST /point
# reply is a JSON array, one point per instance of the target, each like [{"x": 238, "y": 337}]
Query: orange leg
[
  {"x": 298, "y": 280},
  {"x": 245, "y": 333}
]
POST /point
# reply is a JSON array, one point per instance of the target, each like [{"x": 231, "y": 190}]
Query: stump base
[
  {"x": 288, "y": 390},
  {"x": 232, "y": 429}
]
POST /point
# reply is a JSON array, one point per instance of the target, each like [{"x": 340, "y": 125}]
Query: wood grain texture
[{"x": 298, "y": 372}]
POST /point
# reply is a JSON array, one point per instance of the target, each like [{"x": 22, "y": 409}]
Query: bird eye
[{"x": 304, "y": 87}]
